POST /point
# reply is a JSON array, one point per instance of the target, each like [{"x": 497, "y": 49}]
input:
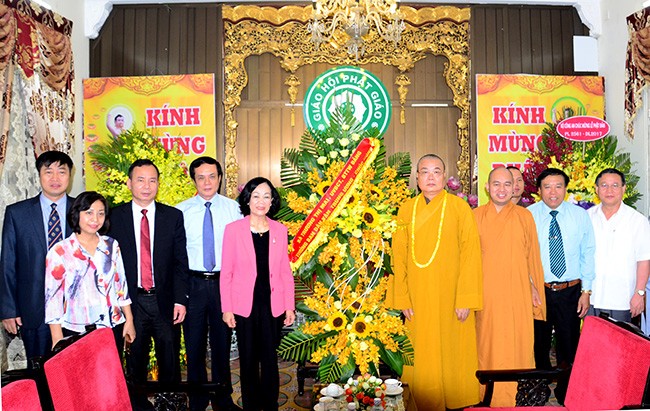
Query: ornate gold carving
[
  {"x": 252, "y": 30},
  {"x": 402, "y": 81},
  {"x": 293, "y": 82}
]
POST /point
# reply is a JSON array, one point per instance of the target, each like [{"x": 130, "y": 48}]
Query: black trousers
[
  {"x": 258, "y": 337},
  {"x": 150, "y": 323},
  {"x": 203, "y": 314},
  {"x": 38, "y": 341},
  {"x": 561, "y": 315}
]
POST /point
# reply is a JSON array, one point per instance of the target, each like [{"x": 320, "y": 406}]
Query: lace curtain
[
  {"x": 637, "y": 65},
  {"x": 37, "y": 106}
]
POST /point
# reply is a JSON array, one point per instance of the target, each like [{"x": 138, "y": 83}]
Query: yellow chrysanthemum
[
  {"x": 338, "y": 321},
  {"x": 313, "y": 178},
  {"x": 370, "y": 217}
]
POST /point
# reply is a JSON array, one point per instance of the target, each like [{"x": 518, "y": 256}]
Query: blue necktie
[
  {"x": 555, "y": 247},
  {"x": 208, "y": 239},
  {"x": 54, "y": 233}
]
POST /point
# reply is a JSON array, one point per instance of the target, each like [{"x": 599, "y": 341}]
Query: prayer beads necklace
[{"x": 435, "y": 251}]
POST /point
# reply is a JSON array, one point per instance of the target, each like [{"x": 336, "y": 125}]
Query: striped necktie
[
  {"x": 556, "y": 247},
  {"x": 54, "y": 233}
]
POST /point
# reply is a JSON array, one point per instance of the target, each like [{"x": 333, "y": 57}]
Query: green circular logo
[{"x": 349, "y": 86}]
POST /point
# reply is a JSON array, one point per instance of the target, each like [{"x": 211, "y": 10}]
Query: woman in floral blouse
[{"x": 84, "y": 276}]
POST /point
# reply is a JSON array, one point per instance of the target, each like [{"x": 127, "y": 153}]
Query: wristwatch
[{"x": 640, "y": 292}]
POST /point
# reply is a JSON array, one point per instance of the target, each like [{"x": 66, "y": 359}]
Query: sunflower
[
  {"x": 377, "y": 193},
  {"x": 360, "y": 328},
  {"x": 322, "y": 187},
  {"x": 370, "y": 217},
  {"x": 337, "y": 321}
]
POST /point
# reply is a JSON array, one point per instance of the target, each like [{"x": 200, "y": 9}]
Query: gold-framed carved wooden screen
[{"x": 269, "y": 61}]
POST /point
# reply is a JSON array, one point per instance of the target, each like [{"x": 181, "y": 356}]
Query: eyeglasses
[
  {"x": 426, "y": 172},
  {"x": 605, "y": 186}
]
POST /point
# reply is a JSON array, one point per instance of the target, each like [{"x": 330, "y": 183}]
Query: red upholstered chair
[
  {"x": 610, "y": 370},
  {"x": 20, "y": 395},
  {"x": 88, "y": 375}
]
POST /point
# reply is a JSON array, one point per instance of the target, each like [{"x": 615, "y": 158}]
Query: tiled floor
[{"x": 289, "y": 399}]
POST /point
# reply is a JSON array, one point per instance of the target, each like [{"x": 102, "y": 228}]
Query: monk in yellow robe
[
  {"x": 437, "y": 285},
  {"x": 512, "y": 278}
]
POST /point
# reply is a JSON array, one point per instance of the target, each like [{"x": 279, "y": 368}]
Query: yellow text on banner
[{"x": 336, "y": 197}]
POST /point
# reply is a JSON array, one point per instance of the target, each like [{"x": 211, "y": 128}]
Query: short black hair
[
  {"x": 140, "y": 163},
  {"x": 83, "y": 202},
  {"x": 513, "y": 168},
  {"x": 610, "y": 171},
  {"x": 552, "y": 172},
  {"x": 245, "y": 196},
  {"x": 48, "y": 158},
  {"x": 198, "y": 162},
  {"x": 118, "y": 116}
]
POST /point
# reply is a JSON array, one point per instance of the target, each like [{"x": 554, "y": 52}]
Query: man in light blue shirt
[
  {"x": 206, "y": 216},
  {"x": 567, "y": 247}
]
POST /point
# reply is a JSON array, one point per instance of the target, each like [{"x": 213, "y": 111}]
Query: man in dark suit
[
  {"x": 30, "y": 228},
  {"x": 152, "y": 239}
]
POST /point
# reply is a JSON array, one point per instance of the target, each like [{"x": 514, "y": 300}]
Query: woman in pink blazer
[{"x": 257, "y": 291}]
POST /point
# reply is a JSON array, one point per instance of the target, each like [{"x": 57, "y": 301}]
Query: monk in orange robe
[
  {"x": 437, "y": 285},
  {"x": 512, "y": 278}
]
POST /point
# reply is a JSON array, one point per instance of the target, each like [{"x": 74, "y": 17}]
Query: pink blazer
[{"x": 239, "y": 270}]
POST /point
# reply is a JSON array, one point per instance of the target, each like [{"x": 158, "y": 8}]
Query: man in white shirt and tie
[
  {"x": 566, "y": 240},
  {"x": 206, "y": 216},
  {"x": 152, "y": 239}
]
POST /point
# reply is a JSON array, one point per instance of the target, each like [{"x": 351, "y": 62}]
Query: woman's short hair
[
  {"x": 245, "y": 196},
  {"x": 83, "y": 202}
]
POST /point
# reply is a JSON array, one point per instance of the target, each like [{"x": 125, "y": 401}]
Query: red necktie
[{"x": 145, "y": 253}]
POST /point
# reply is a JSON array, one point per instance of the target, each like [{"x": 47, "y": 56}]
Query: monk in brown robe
[
  {"x": 437, "y": 285},
  {"x": 512, "y": 278}
]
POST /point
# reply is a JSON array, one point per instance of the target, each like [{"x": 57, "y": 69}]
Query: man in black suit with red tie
[
  {"x": 152, "y": 239},
  {"x": 30, "y": 228}
]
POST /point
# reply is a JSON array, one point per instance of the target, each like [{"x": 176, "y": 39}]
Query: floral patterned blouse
[{"x": 83, "y": 289}]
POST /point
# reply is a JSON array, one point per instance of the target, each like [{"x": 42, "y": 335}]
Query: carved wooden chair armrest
[{"x": 532, "y": 387}]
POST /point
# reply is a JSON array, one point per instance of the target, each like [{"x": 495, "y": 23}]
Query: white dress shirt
[{"x": 224, "y": 211}]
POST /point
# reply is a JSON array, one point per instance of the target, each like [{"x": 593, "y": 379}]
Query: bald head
[
  {"x": 431, "y": 157},
  {"x": 499, "y": 186},
  {"x": 500, "y": 172}
]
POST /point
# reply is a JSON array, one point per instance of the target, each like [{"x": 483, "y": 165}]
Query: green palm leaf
[
  {"x": 290, "y": 173},
  {"x": 298, "y": 346},
  {"x": 405, "y": 346},
  {"x": 402, "y": 163},
  {"x": 329, "y": 370}
]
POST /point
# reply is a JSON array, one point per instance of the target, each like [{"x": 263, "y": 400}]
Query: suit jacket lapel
[
  {"x": 159, "y": 222},
  {"x": 68, "y": 204},
  {"x": 248, "y": 238},
  {"x": 127, "y": 220},
  {"x": 273, "y": 255},
  {"x": 37, "y": 223}
]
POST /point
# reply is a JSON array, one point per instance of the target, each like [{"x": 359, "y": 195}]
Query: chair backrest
[
  {"x": 610, "y": 368},
  {"x": 88, "y": 375},
  {"x": 20, "y": 395}
]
